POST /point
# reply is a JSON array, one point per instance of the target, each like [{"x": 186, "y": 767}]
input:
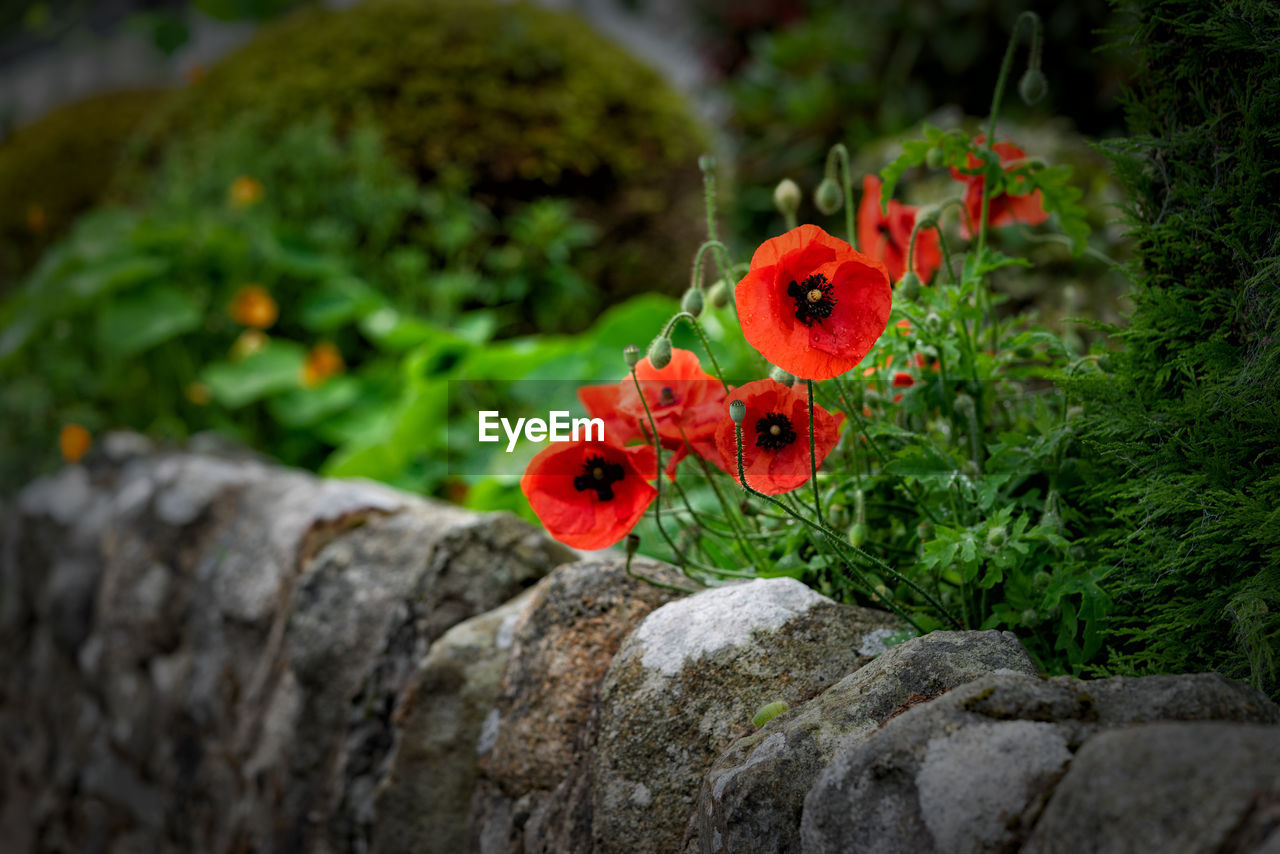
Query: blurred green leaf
[
  {"x": 136, "y": 321},
  {"x": 303, "y": 407},
  {"x": 275, "y": 368},
  {"x": 338, "y": 302}
]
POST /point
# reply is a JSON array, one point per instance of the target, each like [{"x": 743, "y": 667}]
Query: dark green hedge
[
  {"x": 525, "y": 101},
  {"x": 1186, "y": 430},
  {"x": 57, "y": 168}
]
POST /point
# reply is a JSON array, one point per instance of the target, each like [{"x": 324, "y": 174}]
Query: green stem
[
  {"x": 841, "y": 543},
  {"x": 695, "y": 281},
  {"x": 813, "y": 459},
  {"x": 838, "y": 158},
  {"x": 647, "y": 580},
  {"x": 702, "y": 336},
  {"x": 657, "y": 448}
]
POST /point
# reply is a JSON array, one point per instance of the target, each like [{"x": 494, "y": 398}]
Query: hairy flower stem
[
  {"x": 657, "y": 501},
  {"x": 813, "y": 459},
  {"x": 702, "y": 336},
  {"x": 647, "y": 580},
  {"x": 838, "y": 157},
  {"x": 844, "y": 545},
  {"x": 695, "y": 281},
  {"x": 996, "y": 97},
  {"x": 709, "y": 198}
]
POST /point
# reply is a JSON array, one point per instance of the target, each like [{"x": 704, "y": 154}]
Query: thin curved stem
[
  {"x": 813, "y": 458},
  {"x": 838, "y": 158},
  {"x": 841, "y": 543}
]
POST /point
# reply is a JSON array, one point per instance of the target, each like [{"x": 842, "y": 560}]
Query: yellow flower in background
[
  {"x": 199, "y": 394},
  {"x": 74, "y": 441},
  {"x": 37, "y": 220},
  {"x": 323, "y": 361},
  {"x": 252, "y": 306},
  {"x": 249, "y": 342},
  {"x": 245, "y": 191}
]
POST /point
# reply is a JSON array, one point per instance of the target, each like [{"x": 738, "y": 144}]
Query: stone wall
[{"x": 202, "y": 652}]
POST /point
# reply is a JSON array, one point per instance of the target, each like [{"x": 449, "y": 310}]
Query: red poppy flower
[
  {"x": 1002, "y": 209},
  {"x": 902, "y": 379},
  {"x": 811, "y": 304},
  {"x": 589, "y": 495},
  {"x": 686, "y": 404},
  {"x": 888, "y": 237},
  {"x": 775, "y": 436},
  {"x": 601, "y": 401}
]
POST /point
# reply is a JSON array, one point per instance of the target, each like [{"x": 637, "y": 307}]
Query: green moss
[
  {"x": 1185, "y": 432},
  {"x": 523, "y": 101},
  {"x": 58, "y": 167}
]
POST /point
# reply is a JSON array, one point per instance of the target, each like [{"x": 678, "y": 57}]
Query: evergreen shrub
[{"x": 1185, "y": 425}]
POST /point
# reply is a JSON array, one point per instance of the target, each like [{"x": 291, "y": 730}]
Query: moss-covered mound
[
  {"x": 525, "y": 101},
  {"x": 57, "y": 167}
]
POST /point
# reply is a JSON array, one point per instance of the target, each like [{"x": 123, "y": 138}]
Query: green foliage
[
  {"x": 126, "y": 322},
  {"x": 56, "y": 168},
  {"x": 1185, "y": 422},
  {"x": 523, "y": 102},
  {"x": 956, "y": 149},
  {"x": 858, "y": 72},
  {"x": 945, "y": 496}
]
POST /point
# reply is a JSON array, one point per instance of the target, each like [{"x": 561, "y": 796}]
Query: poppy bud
[
  {"x": 633, "y": 544},
  {"x": 934, "y": 158},
  {"x": 909, "y": 286},
  {"x": 828, "y": 198},
  {"x": 632, "y": 354},
  {"x": 660, "y": 352},
  {"x": 1029, "y": 618},
  {"x": 857, "y": 534},
  {"x": 719, "y": 294},
  {"x": 964, "y": 405},
  {"x": 838, "y": 515},
  {"x": 737, "y": 411},
  {"x": 1033, "y": 86},
  {"x": 706, "y": 162},
  {"x": 693, "y": 301},
  {"x": 780, "y": 376},
  {"x": 1041, "y": 580},
  {"x": 786, "y": 197},
  {"x": 933, "y": 322},
  {"x": 997, "y": 537}
]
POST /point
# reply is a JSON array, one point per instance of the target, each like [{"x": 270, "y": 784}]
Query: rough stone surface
[
  {"x": 206, "y": 653},
  {"x": 972, "y": 770},
  {"x": 423, "y": 801},
  {"x": 751, "y": 799},
  {"x": 686, "y": 684},
  {"x": 1127, "y": 792},
  {"x": 535, "y": 792}
]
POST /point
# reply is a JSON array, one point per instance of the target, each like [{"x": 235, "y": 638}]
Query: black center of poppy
[
  {"x": 773, "y": 432},
  {"x": 813, "y": 299},
  {"x": 668, "y": 396},
  {"x": 600, "y": 475}
]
